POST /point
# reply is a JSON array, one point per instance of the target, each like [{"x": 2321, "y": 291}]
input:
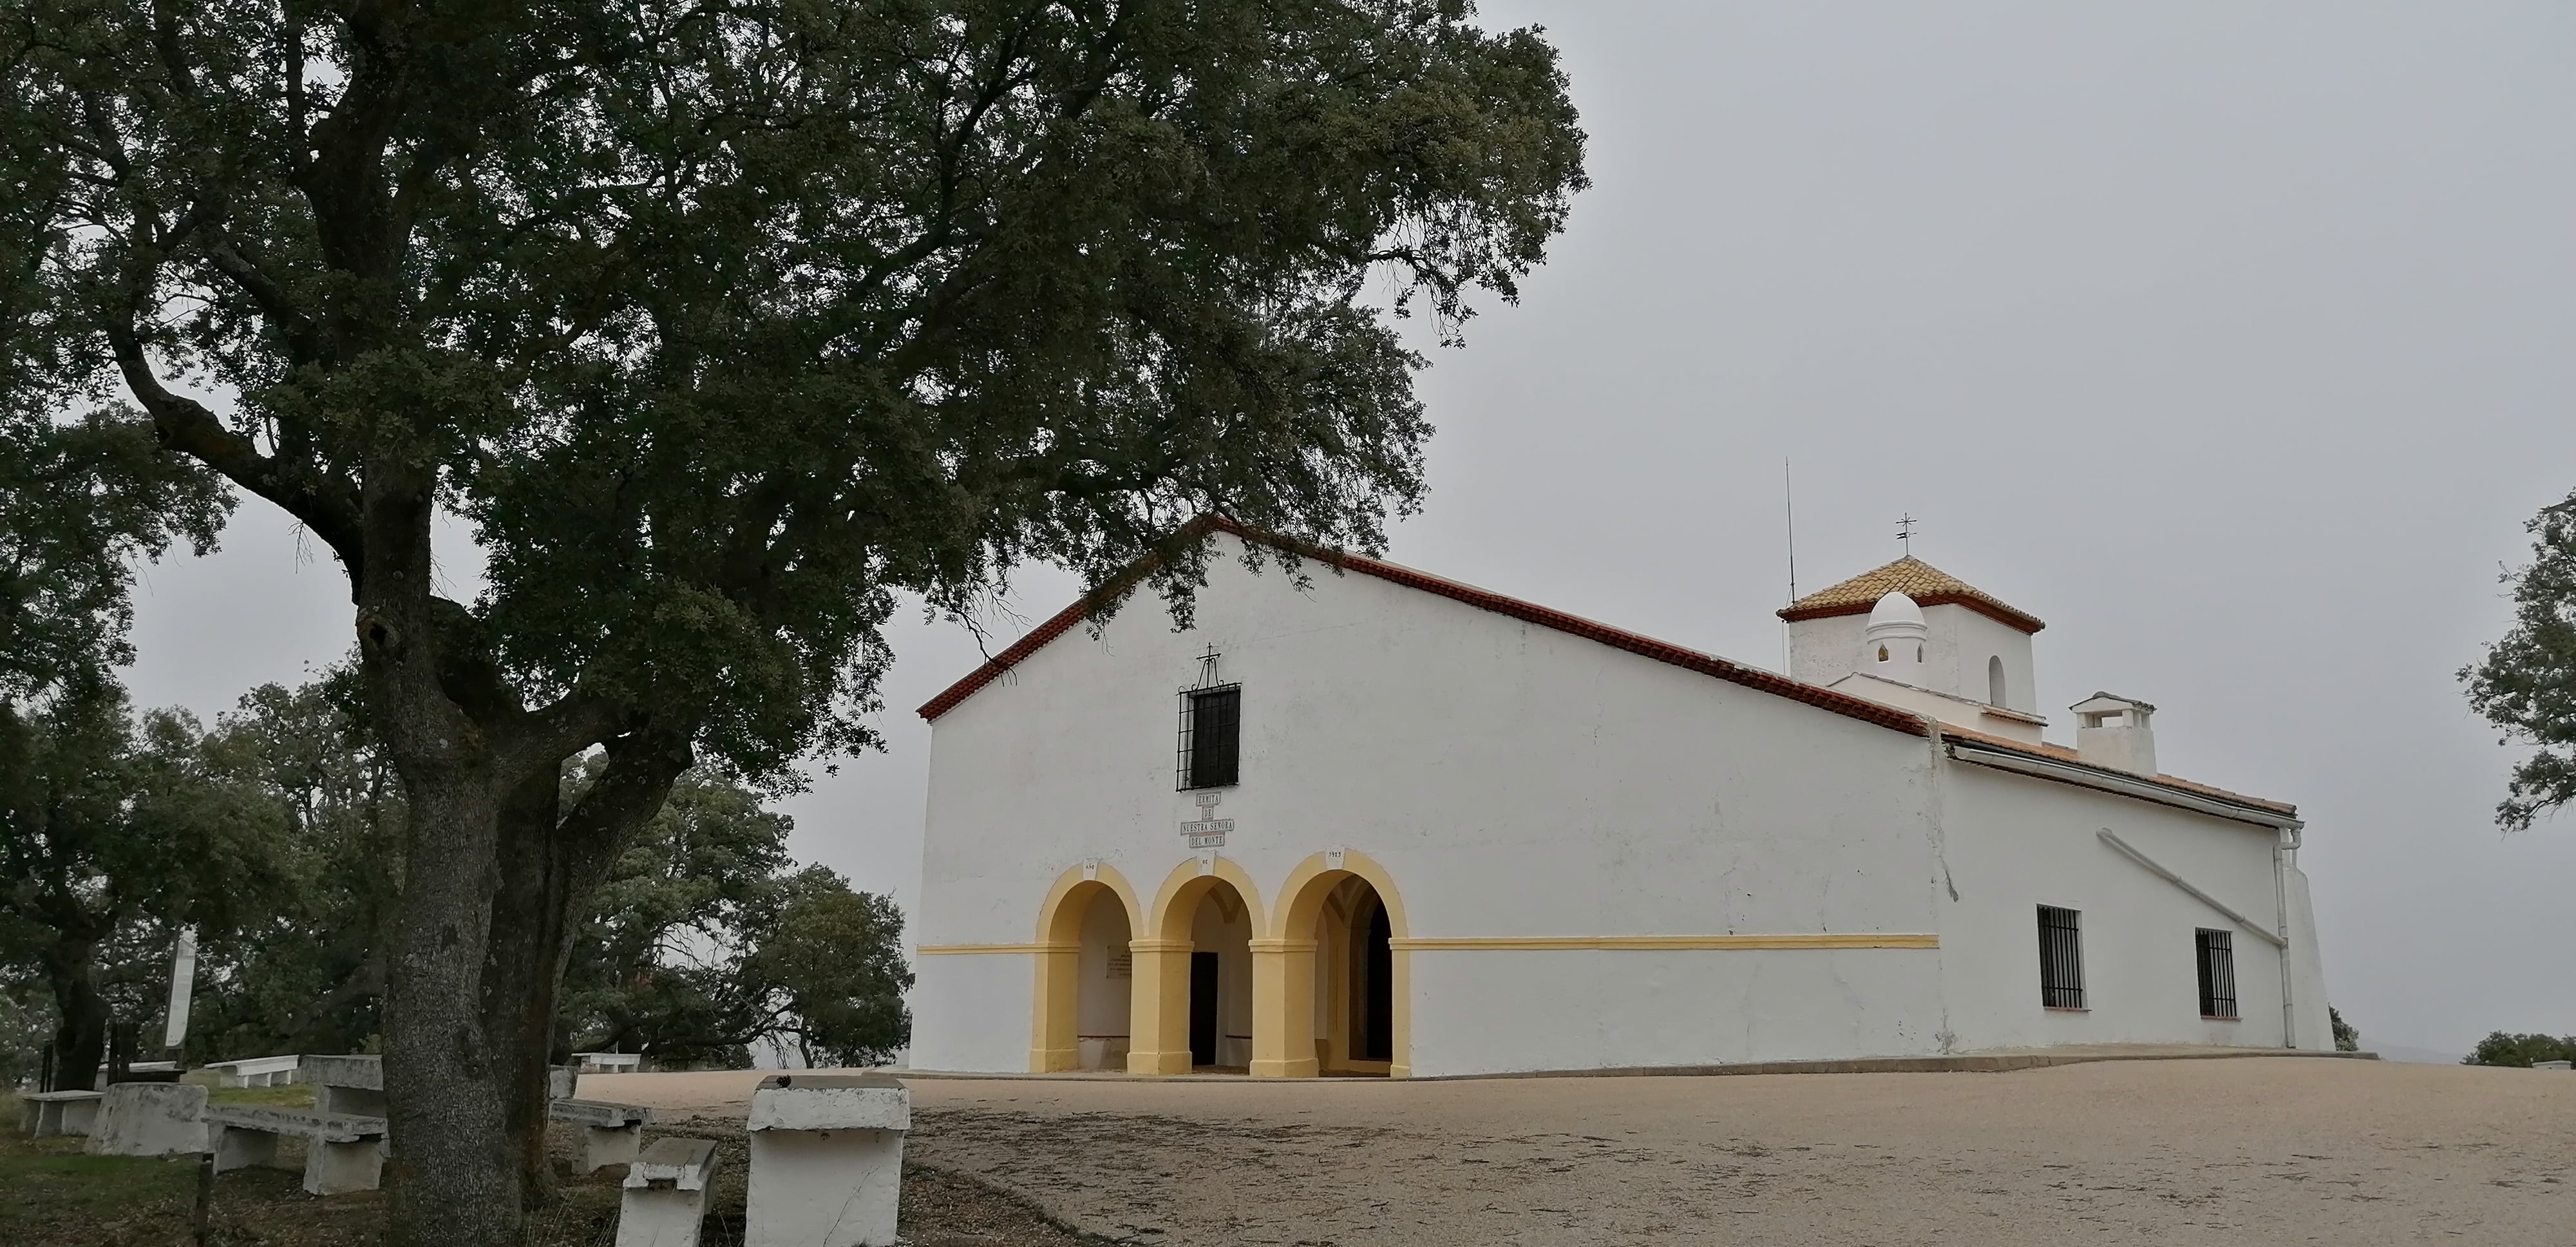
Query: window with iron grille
[
  {"x": 2061, "y": 958},
  {"x": 2217, "y": 951},
  {"x": 1211, "y": 737}
]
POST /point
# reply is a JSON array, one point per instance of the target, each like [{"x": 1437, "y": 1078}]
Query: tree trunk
[
  {"x": 523, "y": 973},
  {"x": 552, "y": 864},
  {"x": 80, "y": 1037},
  {"x": 447, "y": 1183}
]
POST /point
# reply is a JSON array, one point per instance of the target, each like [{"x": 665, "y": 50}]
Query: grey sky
[{"x": 2233, "y": 341}]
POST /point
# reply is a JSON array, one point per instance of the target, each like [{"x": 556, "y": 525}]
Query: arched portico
[
  {"x": 1083, "y": 925},
  {"x": 1331, "y": 904},
  {"x": 1159, "y": 1033}
]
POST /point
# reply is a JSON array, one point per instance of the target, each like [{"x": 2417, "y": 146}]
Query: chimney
[{"x": 2113, "y": 732}]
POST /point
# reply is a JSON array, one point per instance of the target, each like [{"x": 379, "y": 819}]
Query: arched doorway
[
  {"x": 1195, "y": 977},
  {"x": 1337, "y": 972},
  {"x": 1085, "y": 973},
  {"x": 1354, "y": 981}
]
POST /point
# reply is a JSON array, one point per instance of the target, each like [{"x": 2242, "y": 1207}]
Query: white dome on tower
[
  {"x": 1895, "y": 609},
  {"x": 1892, "y": 646}
]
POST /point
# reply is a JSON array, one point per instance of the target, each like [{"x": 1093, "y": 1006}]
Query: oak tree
[
  {"x": 722, "y": 323},
  {"x": 2526, "y": 683}
]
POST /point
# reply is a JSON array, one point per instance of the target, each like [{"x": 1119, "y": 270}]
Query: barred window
[
  {"x": 2061, "y": 958},
  {"x": 1211, "y": 737},
  {"x": 2217, "y": 953}
]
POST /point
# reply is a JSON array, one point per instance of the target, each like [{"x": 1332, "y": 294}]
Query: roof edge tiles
[
  {"x": 1921, "y": 581},
  {"x": 1822, "y": 698}
]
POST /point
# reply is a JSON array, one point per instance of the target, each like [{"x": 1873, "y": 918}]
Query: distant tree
[
  {"x": 720, "y": 325},
  {"x": 113, "y": 835},
  {"x": 707, "y": 942},
  {"x": 307, "y": 973},
  {"x": 2347, "y": 1038},
  {"x": 2500, "y": 1048},
  {"x": 2526, "y": 684}
]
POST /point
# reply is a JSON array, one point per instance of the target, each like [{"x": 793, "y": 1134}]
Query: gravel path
[{"x": 2234, "y": 1151}]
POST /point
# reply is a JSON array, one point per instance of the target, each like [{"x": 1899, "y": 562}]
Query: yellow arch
[
  {"x": 1176, "y": 902},
  {"x": 1057, "y": 992},
  {"x": 1158, "y": 1029},
  {"x": 1283, "y": 967}
]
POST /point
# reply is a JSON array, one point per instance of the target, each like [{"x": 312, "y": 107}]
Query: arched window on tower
[{"x": 1995, "y": 681}]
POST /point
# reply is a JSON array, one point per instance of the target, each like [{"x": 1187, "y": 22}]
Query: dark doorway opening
[
  {"x": 1377, "y": 1033},
  {"x": 1203, "y": 984}
]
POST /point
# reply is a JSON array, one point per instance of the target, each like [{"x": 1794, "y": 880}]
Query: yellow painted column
[
  {"x": 1400, "y": 962},
  {"x": 1283, "y": 1008},
  {"x": 1158, "y": 1018},
  {"x": 1052, "y": 1008}
]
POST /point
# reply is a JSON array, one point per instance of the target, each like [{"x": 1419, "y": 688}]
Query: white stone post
[{"x": 826, "y": 1160}]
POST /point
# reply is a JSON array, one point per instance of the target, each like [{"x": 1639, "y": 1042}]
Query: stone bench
[
  {"x": 352, "y": 1084},
  {"x": 826, "y": 1160},
  {"x": 152, "y": 1119},
  {"x": 609, "y": 1062},
  {"x": 611, "y": 1134},
  {"x": 666, "y": 1194},
  {"x": 257, "y": 1071},
  {"x": 2553, "y": 1065},
  {"x": 343, "y": 1152},
  {"x": 45, "y": 1113}
]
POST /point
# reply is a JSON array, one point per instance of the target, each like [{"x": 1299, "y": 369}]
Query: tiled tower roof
[{"x": 1921, "y": 581}]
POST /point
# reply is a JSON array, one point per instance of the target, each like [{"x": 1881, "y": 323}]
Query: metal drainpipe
[{"x": 2286, "y": 843}]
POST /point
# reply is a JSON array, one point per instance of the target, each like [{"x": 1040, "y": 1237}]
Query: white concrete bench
[
  {"x": 2553, "y": 1065},
  {"x": 343, "y": 1152},
  {"x": 351, "y": 1084},
  {"x": 826, "y": 1160},
  {"x": 611, "y": 1134},
  {"x": 45, "y": 1113},
  {"x": 666, "y": 1194},
  {"x": 149, "y": 1119},
  {"x": 609, "y": 1062},
  {"x": 257, "y": 1071}
]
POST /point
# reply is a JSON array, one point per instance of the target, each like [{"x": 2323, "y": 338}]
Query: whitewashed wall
[
  {"x": 1518, "y": 782},
  {"x": 2015, "y": 843}
]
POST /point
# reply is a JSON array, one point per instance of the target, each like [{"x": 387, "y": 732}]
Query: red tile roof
[
  {"x": 1528, "y": 612},
  {"x": 1921, "y": 581}
]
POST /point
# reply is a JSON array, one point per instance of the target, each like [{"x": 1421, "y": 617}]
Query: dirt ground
[
  {"x": 51, "y": 1193},
  {"x": 2166, "y": 1152}
]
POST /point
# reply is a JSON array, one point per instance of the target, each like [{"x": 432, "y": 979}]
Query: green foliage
[
  {"x": 2347, "y": 1038},
  {"x": 79, "y": 503},
  {"x": 2526, "y": 684},
  {"x": 116, "y": 833},
  {"x": 2500, "y": 1048},
  {"x": 706, "y": 941},
  {"x": 307, "y": 973},
  {"x": 832, "y": 962},
  {"x": 722, "y": 323}
]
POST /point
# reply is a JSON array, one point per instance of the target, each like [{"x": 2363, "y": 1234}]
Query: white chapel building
[{"x": 1382, "y": 822}]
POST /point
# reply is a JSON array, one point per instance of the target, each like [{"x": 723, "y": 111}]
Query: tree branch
[{"x": 327, "y": 506}]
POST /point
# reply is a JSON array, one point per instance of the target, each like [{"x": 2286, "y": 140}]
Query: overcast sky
[{"x": 2232, "y": 340}]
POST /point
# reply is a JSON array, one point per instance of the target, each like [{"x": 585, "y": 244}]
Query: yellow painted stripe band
[
  {"x": 1653, "y": 943},
  {"x": 1544, "y": 943},
  {"x": 959, "y": 950}
]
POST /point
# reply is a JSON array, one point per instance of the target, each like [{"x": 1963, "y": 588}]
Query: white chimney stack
[{"x": 2113, "y": 732}]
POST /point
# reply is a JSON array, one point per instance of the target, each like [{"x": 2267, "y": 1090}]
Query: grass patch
[{"x": 292, "y": 1095}]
